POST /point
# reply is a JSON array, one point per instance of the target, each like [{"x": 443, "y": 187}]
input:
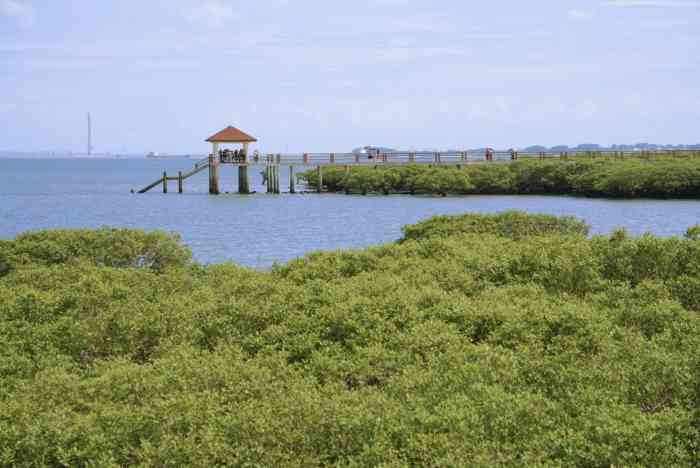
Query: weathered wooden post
[
  {"x": 332, "y": 158},
  {"x": 179, "y": 181},
  {"x": 213, "y": 174},
  {"x": 165, "y": 182},
  {"x": 268, "y": 173},
  {"x": 243, "y": 182},
  {"x": 319, "y": 180},
  {"x": 292, "y": 188},
  {"x": 411, "y": 157},
  {"x": 306, "y": 159},
  {"x": 277, "y": 178}
]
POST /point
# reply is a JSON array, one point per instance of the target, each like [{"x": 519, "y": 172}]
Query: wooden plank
[{"x": 149, "y": 187}]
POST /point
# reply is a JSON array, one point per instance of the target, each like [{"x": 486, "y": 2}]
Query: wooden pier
[{"x": 273, "y": 163}]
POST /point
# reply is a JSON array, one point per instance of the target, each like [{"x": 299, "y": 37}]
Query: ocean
[{"x": 259, "y": 230}]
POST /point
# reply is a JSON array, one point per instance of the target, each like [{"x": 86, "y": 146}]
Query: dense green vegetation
[
  {"x": 473, "y": 341},
  {"x": 650, "y": 177}
]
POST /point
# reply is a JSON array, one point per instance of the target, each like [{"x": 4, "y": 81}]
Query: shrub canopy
[
  {"x": 475, "y": 341},
  {"x": 659, "y": 177}
]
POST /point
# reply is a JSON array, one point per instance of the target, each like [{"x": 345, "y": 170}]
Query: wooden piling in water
[
  {"x": 243, "y": 181},
  {"x": 319, "y": 181},
  {"x": 276, "y": 178},
  {"x": 268, "y": 177},
  {"x": 179, "y": 181},
  {"x": 165, "y": 182},
  {"x": 292, "y": 188},
  {"x": 213, "y": 175}
]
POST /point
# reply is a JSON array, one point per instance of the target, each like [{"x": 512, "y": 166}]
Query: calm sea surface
[{"x": 261, "y": 229}]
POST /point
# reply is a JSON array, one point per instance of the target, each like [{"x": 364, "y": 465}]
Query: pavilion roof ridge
[{"x": 231, "y": 134}]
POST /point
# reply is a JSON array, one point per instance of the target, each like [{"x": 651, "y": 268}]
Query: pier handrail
[
  {"x": 389, "y": 158},
  {"x": 199, "y": 167},
  {"x": 149, "y": 187},
  {"x": 201, "y": 162}
]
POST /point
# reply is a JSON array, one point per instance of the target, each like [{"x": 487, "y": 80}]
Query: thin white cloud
[
  {"x": 652, "y": 3},
  {"x": 20, "y": 12},
  {"x": 210, "y": 14},
  {"x": 580, "y": 15}
]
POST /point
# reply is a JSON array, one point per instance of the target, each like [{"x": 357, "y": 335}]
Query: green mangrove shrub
[
  {"x": 477, "y": 340},
  {"x": 659, "y": 177}
]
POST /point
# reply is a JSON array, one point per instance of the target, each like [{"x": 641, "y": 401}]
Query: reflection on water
[{"x": 261, "y": 229}]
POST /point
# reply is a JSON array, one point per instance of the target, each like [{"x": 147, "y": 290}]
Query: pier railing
[
  {"x": 273, "y": 161},
  {"x": 448, "y": 157}
]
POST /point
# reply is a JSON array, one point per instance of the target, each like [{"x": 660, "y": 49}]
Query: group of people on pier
[{"x": 228, "y": 156}]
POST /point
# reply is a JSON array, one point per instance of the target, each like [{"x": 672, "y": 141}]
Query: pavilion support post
[
  {"x": 179, "y": 182},
  {"x": 165, "y": 182},
  {"x": 277, "y": 178},
  {"x": 292, "y": 188},
  {"x": 213, "y": 175},
  {"x": 243, "y": 181},
  {"x": 319, "y": 180},
  {"x": 273, "y": 179}
]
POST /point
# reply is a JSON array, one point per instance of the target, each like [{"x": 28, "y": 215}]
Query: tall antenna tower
[{"x": 89, "y": 135}]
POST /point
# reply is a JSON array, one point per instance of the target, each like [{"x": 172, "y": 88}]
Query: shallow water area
[{"x": 261, "y": 229}]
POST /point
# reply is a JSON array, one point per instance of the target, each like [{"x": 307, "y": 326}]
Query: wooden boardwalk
[{"x": 272, "y": 163}]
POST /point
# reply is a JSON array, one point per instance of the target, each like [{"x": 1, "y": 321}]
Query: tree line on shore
[
  {"x": 474, "y": 340},
  {"x": 655, "y": 177}
]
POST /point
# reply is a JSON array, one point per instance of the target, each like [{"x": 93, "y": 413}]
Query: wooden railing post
[
  {"x": 332, "y": 158},
  {"x": 165, "y": 182},
  {"x": 306, "y": 158},
  {"x": 357, "y": 158},
  {"x": 179, "y": 182},
  {"x": 292, "y": 188},
  {"x": 319, "y": 181}
]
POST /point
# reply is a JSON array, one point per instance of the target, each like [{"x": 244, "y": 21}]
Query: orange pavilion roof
[{"x": 231, "y": 135}]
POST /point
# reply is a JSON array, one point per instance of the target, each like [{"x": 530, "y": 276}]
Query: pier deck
[{"x": 272, "y": 163}]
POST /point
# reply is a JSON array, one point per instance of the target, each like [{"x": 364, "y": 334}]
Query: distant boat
[{"x": 371, "y": 151}]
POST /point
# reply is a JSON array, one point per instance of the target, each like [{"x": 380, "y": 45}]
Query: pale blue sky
[{"x": 329, "y": 76}]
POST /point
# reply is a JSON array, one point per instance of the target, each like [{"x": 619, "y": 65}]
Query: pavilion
[{"x": 229, "y": 135}]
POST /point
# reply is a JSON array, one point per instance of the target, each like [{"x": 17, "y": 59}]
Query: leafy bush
[
  {"x": 109, "y": 247},
  {"x": 503, "y": 340},
  {"x": 605, "y": 177},
  {"x": 512, "y": 224}
]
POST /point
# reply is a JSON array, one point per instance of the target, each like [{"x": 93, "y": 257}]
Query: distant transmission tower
[{"x": 89, "y": 135}]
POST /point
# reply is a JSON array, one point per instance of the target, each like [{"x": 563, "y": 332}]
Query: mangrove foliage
[
  {"x": 500, "y": 340},
  {"x": 652, "y": 177}
]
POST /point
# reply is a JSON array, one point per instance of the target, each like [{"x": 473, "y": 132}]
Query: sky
[{"x": 313, "y": 75}]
